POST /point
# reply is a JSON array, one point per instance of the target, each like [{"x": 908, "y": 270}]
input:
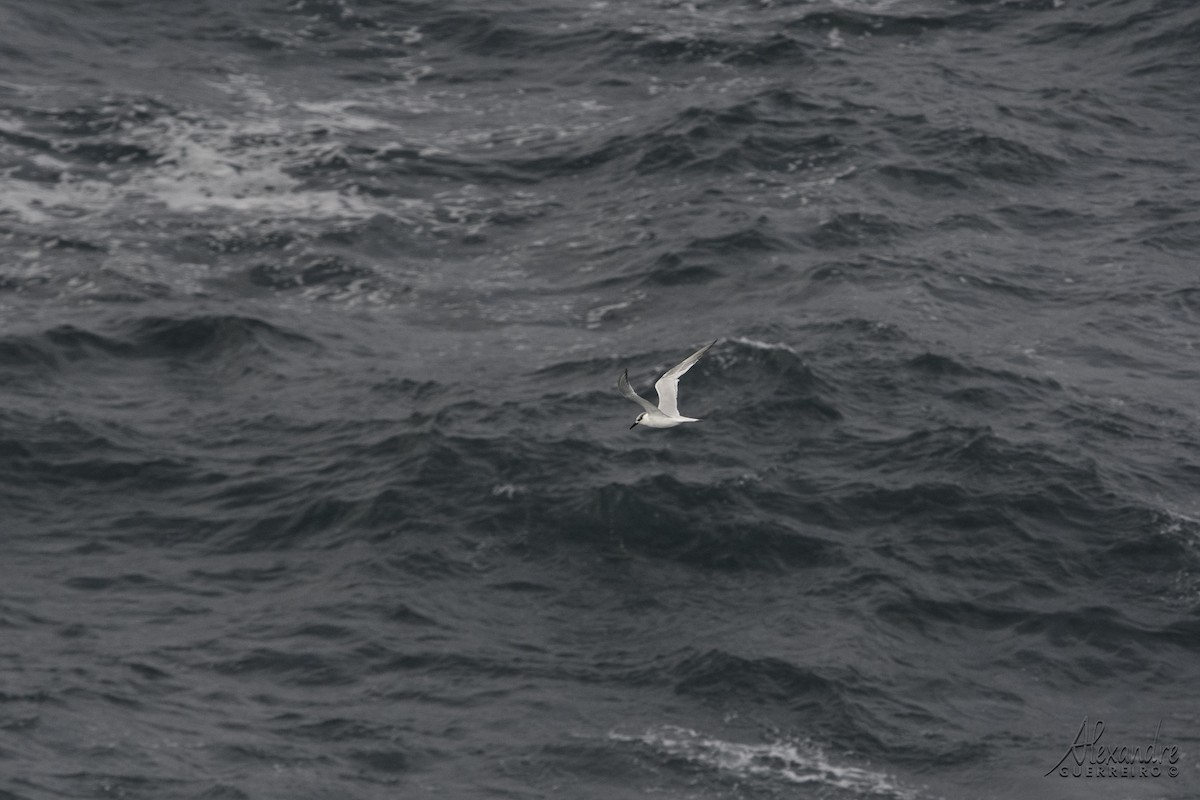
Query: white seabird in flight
[{"x": 666, "y": 415}]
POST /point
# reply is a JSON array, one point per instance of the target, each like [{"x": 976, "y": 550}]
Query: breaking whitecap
[{"x": 780, "y": 762}]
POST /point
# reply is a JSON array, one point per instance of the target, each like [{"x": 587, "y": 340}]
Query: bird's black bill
[{"x": 634, "y": 425}]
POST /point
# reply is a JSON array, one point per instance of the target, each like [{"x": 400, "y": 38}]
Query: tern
[{"x": 666, "y": 415}]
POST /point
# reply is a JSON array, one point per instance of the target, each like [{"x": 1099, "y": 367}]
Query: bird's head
[{"x": 640, "y": 417}]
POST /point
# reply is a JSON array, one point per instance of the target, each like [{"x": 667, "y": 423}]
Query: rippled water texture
[{"x": 314, "y": 478}]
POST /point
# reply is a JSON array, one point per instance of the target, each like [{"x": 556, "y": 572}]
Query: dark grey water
[{"x": 314, "y": 479}]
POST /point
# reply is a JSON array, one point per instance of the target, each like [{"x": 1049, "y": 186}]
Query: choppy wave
[{"x": 314, "y": 477}]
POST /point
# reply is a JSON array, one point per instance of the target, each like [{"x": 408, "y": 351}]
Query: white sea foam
[
  {"x": 596, "y": 315},
  {"x": 758, "y": 344},
  {"x": 200, "y": 166},
  {"x": 783, "y": 762},
  {"x": 869, "y": 5},
  {"x": 253, "y": 159}
]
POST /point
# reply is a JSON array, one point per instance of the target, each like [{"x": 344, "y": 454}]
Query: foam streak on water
[{"x": 775, "y": 763}]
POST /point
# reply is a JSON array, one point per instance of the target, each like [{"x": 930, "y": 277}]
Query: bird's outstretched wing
[
  {"x": 668, "y": 385},
  {"x": 627, "y": 390}
]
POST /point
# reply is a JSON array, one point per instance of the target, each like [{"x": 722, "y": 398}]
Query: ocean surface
[{"x": 314, "y": 477}]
